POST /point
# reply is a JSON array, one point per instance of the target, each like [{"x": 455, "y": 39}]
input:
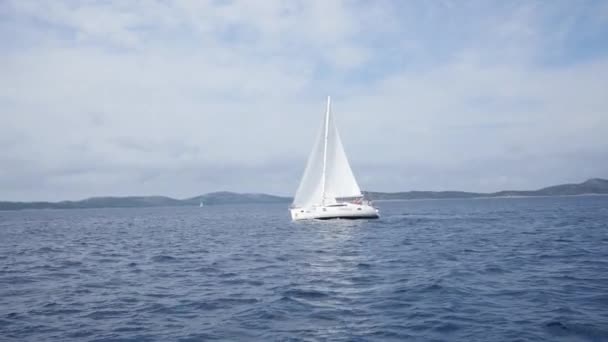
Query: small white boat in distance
[{"x": 328, "y": 189}]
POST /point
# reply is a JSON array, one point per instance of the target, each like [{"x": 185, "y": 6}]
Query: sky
[{"x": 186, "y": 97}]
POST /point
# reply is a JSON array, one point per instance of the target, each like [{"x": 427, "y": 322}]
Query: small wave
[
  {"x": 128, "y": 300},
  {"x": 364, "y": 279},
  {"x": 207, "y": 269},
  {"x": 493, "y": 269},
  {"x": 237, "y": 301},
  {"x": 556, "y": 328},
  {"x": 79, "y": 334},
  {"x": 214, "y": 304},
  {"x": 158, "y": 295},
  {"x": 70, "y": 263},
  {"x": 391, "y": 304},
  {"x": 128, "y": 329},
  {"x": 242, "y": 282},
  {"x": 228, "y": 275},
  {"x": 585, "y": 331},
  {"x": 163, "y": 258},
  {"x": 86, "y": 271},
  {"x": 391, "y": 335},
  {"x": 18, "y": 280},
  {"x": 447, "y": 327},
  {"x": 434, "y": 287},
  {"x": 4, "y": 323},
  {"x": 305, "y": 294},
  {"x": 107, "y": 260},
  {"x": 56, "y": 312},
  {"x": 264, "y": 314},
  {"x": 47, "y": 249},
  {"x": 105, "y": 314}
]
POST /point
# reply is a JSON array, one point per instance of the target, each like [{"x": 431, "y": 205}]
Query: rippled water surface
[{"x": 469, "y": 270}]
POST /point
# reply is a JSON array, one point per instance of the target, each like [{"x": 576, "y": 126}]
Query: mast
[{"x": 325, "y": 150}]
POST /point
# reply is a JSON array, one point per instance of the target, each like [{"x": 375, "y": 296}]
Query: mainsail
[{"x": 328, "y": 175}]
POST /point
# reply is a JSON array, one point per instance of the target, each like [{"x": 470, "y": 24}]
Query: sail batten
[{"x": 328, "y": 175}]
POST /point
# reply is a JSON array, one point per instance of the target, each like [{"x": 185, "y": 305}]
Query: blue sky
[{"x": 186, "y": 97}]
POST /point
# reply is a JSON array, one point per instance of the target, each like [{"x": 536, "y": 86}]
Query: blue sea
[{"x": 510, "y": 269}]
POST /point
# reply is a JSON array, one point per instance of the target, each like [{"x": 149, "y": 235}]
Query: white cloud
[{"x": 185, "y": 97}]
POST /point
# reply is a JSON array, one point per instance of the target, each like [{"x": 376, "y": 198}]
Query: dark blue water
[{"x": 468, "y": 270}]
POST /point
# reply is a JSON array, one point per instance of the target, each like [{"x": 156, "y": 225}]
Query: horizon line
[{"x": 287, "y": 197}]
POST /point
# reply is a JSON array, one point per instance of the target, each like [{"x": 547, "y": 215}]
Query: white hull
[{"x": 335, "y": 211}]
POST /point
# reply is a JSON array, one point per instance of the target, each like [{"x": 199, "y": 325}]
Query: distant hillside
[
  {"x": 224, "y": 197},
  {"x": 96, "y": 202},
  {"x": 592, "y": 186},
  {"x": 418, "y": 195},
  {"x": 214, "y": 198}
]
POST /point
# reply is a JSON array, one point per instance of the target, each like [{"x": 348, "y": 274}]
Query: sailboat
[
  {"x": 201, "y": 205},
  {"x": 328, "y": 189}
]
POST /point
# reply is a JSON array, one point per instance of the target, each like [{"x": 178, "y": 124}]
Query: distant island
[
  {"x": 214, "y": 198},
  {"x": 594, "y": 186},
  {"x": 589, "y": 187}
]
